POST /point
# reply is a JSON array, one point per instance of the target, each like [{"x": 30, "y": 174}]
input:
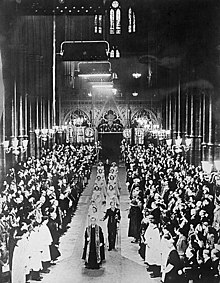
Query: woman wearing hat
[
  {"x": 135, "y": 216},
  {"x": 171, "y": 272}
]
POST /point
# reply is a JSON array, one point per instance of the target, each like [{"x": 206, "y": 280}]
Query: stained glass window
[
  {"x": 117, "y": 53},
  {"x": 118, "y": 21},
  {"x": 115, "y": 18},
  {"x": 98, "y": 24},
  {"x": 131, "y": 21},
  {"x": 114, "y": 52},
  {"x": 112, "y": 21}
]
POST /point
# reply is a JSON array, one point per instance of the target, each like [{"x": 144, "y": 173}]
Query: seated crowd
[
  {"x": 37, "y": 201},
  {"x": 174, "y": 214}
]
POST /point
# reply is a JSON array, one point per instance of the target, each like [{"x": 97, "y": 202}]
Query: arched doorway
[{"x": 110, "y": 136}]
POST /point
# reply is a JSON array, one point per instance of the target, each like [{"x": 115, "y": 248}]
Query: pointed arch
[
  {"x": 115, "y": 18},
  {"x": 74, "y": 115},
  {"x": 112, "y": 21},
  {"x": 118, "y": 21},
  {"x": 98, "y": 24},
  {"x": 146, "y": 115},
  {"x": 131, "y": 21},
  {"x": 115, "y": 52}
]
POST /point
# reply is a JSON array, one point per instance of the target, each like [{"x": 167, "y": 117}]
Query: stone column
[
  {"x": 49, "y": 123},
  {"x": 200, "y": 129},
  {"x": 54, "y": 71},
  {"x": 170, "y": 116},
  {"x": 210, "y": 131},
  {"x": 174, "y": 117},
  {"x": 187, "y": 116},
  {"x": 167, "y": 112},
  {"x": 37, "y": 127},
  {"x": 32, "y": 145},
  {"x": 45, "y": 141},
  {"x": 21, "y": 113},
  {"x": 2, "y": 124},
  {"x": 15, "y": 157},
  {"x": 192, "y": 127},
  {"x": 26, "y": 121},
  {"x": 198, "y": 113},
  {"x": 179, "y": 110},
  {"x": 204, "y": 126}
]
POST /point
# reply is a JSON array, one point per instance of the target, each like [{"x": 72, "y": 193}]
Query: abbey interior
[{"x": 109, "y": 103}]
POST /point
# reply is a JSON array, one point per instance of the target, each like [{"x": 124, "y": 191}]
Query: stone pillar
[
  {"x": 43, "y": 117},
  {"x": 37, "y": 127},
  {"x": 197, "y": 131},
  {"x": 15, "y": 157},
  {"x": 174, "y": 116},
  {"x": 167, "y": 112},
  {"x": 170, "y": 115},
  {"x": 2, "y": 123},
  {"x": 54, "y": 72},
  {"x": 200, "y": 129},
  {"x": 26, "y": 121},
  {"x": 48, "y": 123},
  {"x": 21, "y": 113},
  {"x": 178, "y": 128},
  {"x": 210, "y": 131},
  {"x": 192, "y": 127},
  {"x": 32, "y": 145},
  {"x": 187, "y": 115},
  {"x": 204, "y": 126}
]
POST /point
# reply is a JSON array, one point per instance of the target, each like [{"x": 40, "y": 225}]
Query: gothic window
[
  {"x": 118, "y": 21},
  {"x": 98, "y": 24},
  {"x": 131, "y": 21},
  {"x": 112, "y": 21},
  {"x": 117, "y": 53},
  {"x": 115, "y": 18},
  {"x": 114, "y": 52}
]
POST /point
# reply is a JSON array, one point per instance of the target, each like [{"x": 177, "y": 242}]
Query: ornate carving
[
  {"x": 146, "y": 114},
  {"x": 94, "y": 111},
  {"x": 110, "y": 122},
  {"x": 74, "y": 114}
]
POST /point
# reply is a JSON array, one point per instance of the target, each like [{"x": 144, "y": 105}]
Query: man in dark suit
[
  {"x": 107, "y": 166},
  {"x": 114, "y": 216}
]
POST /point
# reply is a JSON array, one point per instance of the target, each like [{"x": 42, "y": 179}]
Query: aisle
[{"x": 121, "y": 266}]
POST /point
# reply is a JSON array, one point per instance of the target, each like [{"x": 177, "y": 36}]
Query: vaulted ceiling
[{"x": 176, "y": 38}]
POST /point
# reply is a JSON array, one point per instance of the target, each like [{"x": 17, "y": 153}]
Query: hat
[
  {"x": 24, "y": 227},
  {"x": 134, "y": 202}
]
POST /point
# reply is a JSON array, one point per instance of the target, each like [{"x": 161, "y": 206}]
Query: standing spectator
[
  {"x": 46, "y": 241},
  {"x": 153, "y": 251},
  {"x": 181, "y": 245},
  {"x": 20, "y": 256},
  {"x": 135, "y": 216},
  {"x": 215, "y": 254},
  {"x": 206, "y": 270},
  {"x": 171, "y": 272}
]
